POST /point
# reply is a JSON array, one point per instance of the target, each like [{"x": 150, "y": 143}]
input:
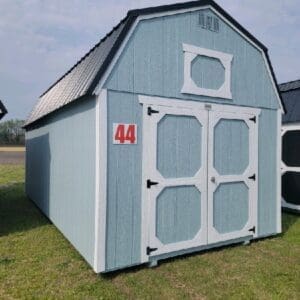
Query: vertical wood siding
[
  {"x": 267, "y": 172},
  {"x": 124, "y": 185},
  {"x": 60, "y": 172},
  {"x": 152, "y": 62}
]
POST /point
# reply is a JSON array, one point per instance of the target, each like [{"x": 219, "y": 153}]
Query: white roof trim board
[{"x": 83, "y": 78}]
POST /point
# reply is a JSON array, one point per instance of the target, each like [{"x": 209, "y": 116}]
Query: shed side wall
[{"x": 60, "y": 172}]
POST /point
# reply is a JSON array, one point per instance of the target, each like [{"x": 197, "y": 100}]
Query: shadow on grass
[
  {"x": 288, "y": 220},
  {"x": 17, "y": 212}
]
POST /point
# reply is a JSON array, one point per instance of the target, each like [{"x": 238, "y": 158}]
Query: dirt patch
[{"x": 11, "y": 157}]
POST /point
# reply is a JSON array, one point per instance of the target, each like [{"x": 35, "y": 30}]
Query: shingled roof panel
[
  {"x": 290, "y": 93},
  {"x": 77, "y": 81}
]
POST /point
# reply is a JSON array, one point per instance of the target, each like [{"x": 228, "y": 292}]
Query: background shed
[
  {"x": 3, "y": 110},
  {"x": 154, "y": 143},
  {"x": 290, "y": 92}
]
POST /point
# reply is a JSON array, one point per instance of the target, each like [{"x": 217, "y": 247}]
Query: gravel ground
[{"x": 11, "y": 157}]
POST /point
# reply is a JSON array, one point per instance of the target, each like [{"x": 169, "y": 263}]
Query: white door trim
[
  {"x": 198, "y": 180},
  {"x": 173, "y": 102},
  {"x": 100, "y": 182},
  {"x": 213, "y": 235},
  {"x": 179, "y": 106}
]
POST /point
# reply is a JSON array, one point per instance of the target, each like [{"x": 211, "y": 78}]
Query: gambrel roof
[
  {"x": 82, "y": 79},
  {"x": 290, "y": 92},
  {"x": 3, "y": 110}
]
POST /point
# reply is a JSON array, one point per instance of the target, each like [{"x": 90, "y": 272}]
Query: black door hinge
[
  {"x": 152, "y": 111},
  {"x": 253, "y": 119},
  {"x": 149, "y": 250},
  {"x": 252, "y": 229},
  {"x": 150, "y": 183},
  {"x": 253, "y": 177}
]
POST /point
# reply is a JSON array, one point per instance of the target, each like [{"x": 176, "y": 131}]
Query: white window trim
[
  {"x": 285, "y": 168},
  {"x": 190, "y": 87},
  {"x": 170, "y": 13},
  {"x": 100, "y": 181}
]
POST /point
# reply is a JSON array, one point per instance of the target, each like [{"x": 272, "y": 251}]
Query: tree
[{"x": 12, "y": 133}]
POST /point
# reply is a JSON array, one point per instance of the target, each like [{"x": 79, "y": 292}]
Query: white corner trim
[
  {"x": 157, "y": 15},
  {"x": 279, "y": 145},
  {"x": 190, "y": 87},
  {"x": 100, "y": 181}
]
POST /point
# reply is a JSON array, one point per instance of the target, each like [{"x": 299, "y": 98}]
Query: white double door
[{"x": 199, "y": 175}]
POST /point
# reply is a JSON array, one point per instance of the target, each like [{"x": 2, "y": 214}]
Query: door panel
[
  {"x": 232, "y": 175},
  {"x": 177, "y": 163},
  {"x": 200, "y": 175}
]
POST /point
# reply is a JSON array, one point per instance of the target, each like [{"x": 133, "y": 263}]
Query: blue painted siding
[
  {"x": 152, "y": 62},
  {"x": 178, "y": 214},
  {"x": 124, "y": 185},
  {"x": 267, "y": 172},
  {"x": 60, "y": 172},
  {"x": 179, "y": 142},
  {"x": 231, "y": 207},
  {"x": 231, "y": 147}
]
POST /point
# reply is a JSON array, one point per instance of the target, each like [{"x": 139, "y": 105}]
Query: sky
[{"x": 41, "y": 39}]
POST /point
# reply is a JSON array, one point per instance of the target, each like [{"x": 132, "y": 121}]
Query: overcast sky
[{"x": 41, "y": 39}]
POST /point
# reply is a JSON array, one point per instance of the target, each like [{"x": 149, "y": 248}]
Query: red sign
[{"x": 124, "y": 133}]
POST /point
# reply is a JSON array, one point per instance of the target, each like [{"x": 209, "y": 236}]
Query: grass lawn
[{"x": 37, "y": 262}]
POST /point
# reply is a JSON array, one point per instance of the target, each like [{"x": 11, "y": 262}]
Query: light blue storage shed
[{"x": 163, "y": 140}]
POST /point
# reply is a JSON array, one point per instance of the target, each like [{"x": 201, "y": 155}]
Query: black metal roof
[
  {"x": 83, "y": 77},
  {"x": 290, "y": 93},
  {"x": 3, "y": 110}
]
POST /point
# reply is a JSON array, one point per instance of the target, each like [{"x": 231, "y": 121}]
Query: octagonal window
[
  {"x": 291, "y": 148},
  {"x": 231, "y": 207},
  {"x": 178, "y": 214},
  {"x": 178, "y": 146},
  {"x": 207, "y": 72},
  {"x": 231, "y": 151}
]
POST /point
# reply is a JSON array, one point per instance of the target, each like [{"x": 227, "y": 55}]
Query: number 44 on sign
[{"x": 124, "y": 133}]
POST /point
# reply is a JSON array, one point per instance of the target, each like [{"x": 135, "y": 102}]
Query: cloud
[{"x": 41, "y": 39}]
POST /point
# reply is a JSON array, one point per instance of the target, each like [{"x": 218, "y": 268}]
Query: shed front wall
[
  {"x": 152, "y": 64},
  {"x": 60, "y": 173},
  {"x": 125, "y": 181}
]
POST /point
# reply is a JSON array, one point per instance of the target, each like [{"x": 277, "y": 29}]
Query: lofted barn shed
[
  {"x": 163, "y": 140},
  {"x": 290, "y": 92}
]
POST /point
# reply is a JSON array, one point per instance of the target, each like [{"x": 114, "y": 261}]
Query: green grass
[{"x": 37, "y": 262}]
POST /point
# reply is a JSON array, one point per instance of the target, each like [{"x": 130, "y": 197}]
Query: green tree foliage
[{"x": 12, "y": 133}]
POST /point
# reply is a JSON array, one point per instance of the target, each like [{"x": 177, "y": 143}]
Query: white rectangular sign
[{"x": 124, "y": 134}]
